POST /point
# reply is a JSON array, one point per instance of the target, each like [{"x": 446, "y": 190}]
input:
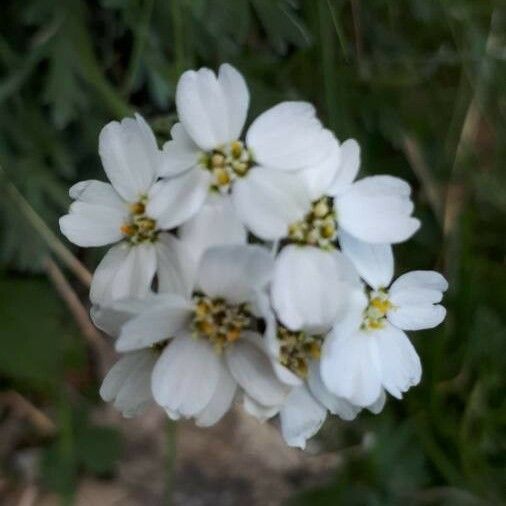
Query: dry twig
[{"x": 98, "y": 344}]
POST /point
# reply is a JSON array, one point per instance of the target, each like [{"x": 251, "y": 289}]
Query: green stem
[
  {"x": 66, "y": 451},
  {"x": 91, "y": 71},
  {"x": 438, "y": 457},
  {"x": 141, "y": 36},
  {"x": 49, "y": 237},
  {"x": 338, "y": 29},
  {"x": 327, "y": 42},
  {"x": 178, "y": 36},
  {"x": 170, "y": 461}
]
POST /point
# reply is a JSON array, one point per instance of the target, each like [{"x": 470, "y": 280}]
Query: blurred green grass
[{"x": 420, "y": 84}]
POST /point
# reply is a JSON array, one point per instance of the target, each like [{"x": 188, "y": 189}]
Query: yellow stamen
[
  {"x": 217, "y": 160},
  {"x": 219, "y": 322},
  {"x": 236, "y": 149},
  {"x": 221, "y": 176},
  {"x": 328, "y": 230},
  {"x": 233, "y": 334},
  {"x": 382, "y": 305},
  {"x": 127, "y": 230},
  {"x": 226, "y": 163},
  {"x": 321, "y": 209},
  {"x": 296, "y": 349},
  {"x": 318, "y": 227},
  {"x": 138, "y": 208}
]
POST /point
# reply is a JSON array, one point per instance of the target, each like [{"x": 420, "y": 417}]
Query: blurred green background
[{"x": 419, "y": 83}]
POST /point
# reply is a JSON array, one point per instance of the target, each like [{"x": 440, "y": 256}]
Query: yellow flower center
[
  {"x": 227, "y": 163},
  {"x": 376, "y": 311},
  {"x": 318, "y": 227},
  {"x": 139, "y": 228},
  {"x": 297, "y": 348},
  {"x": 219, "y": 322}
]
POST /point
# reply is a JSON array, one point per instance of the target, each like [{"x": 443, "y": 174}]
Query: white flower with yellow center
[
  {"x": 368, "y": 350},
  {"x": 372, "y": 210},
  {"x": 296, "y": 357},
  {"x": 257, "y": 175},
  {"x": 132, "y": 211},
  {"x": 204, "y": 331},
  {"x": 375, "y": 209}
]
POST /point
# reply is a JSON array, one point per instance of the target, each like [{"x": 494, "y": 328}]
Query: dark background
[{"x": 419, "y": 83}]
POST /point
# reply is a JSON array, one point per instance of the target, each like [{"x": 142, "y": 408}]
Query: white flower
[
  {"x": 131, "y": 211},
  {"x": 204, "y": 333},
  {"x": 374, "y": 209},
  {"x": 368, "y": 351},
  {"x": 296, "y": 361},
  {"x": 297, "y": 357},
  {"x": 258, "y": 174}
]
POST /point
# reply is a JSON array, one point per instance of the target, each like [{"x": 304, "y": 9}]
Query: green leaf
[
  {"x": 31, "y": 332},
  {"x": 282, "y": 25}
]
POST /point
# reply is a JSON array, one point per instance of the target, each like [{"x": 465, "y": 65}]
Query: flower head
[
  {"x": 313, "y": 325},
  {"x": 258, "y": 172},
  {"x": 132, "y": 211},
  {"x": 205, "y": 334},
  {"x": 369, "y": 351}
]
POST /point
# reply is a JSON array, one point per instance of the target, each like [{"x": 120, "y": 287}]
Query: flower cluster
[{"x": 250, "y": 266}]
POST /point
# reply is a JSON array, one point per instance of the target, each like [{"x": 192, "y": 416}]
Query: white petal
[
  {"x": 99, "y": 193},
  {"x": 167, "y": 316},
  {"x": 377, "y": 406},
  {"x": 173, "y": 201},
  {"x": 212, "y": 110},
  {"x": 216, "y": 223},
  {"x": 377, "y": 209},
  {"x": 236, "y": 93},
  {"x": 268, "y": 201},
  {"x": 308, "y": 289},
  {"x": 125, "y": 271},
  {"x": 177, "y": 265},
  {"x": 221, "y": 400},
  {"x": 351, "y": 320},
  {"x": 336, "y": 405},
  {"x": 348, "y": 168},
  {"x": 301, "y": 417},
  {"x": 417, "y": 317},
  {"x": 92, "y": 224},
  {"x": 286, "y": 376},
  {"x": 261, "y": 413},
  {"x": 415, "y": 296},
  {"x": 235, "y": 273},
  {"x": 374, "y": 262},
  {"x": 318, "y": 179},
  {"x": 128, "y": 383},
  {"x": 252, "y": 369},
  {"x": 349, "y": 367},
  {"x": 186, "y": 376},
  {"x": 418, "y": 286},
  {"x": 288, "y": 137},
  {"x": 111, "y": 317},
  {"x": 180, "y": 153},
  {"x": 399, "y": 363},
  {"x": 130, "y": 156}
]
